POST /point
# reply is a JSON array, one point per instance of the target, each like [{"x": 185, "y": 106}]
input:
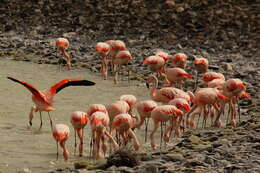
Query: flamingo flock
[{"x": 170, "y": 106}]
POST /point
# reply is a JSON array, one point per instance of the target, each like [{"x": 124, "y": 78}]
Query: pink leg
[
  {"x": 156, "y": 125},
  {"x": 136, "y": 142},
  {"x": 80, "y": 135},
  {"x": 65, "y": 151}
]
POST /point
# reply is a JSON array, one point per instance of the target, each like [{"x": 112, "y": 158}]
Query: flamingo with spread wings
[{"x": 44, "y": 99}]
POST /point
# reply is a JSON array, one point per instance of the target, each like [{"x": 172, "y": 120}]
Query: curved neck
[{"x": 153, "y": 92}]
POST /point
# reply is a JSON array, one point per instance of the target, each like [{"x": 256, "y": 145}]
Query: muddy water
[{"x": 23, "y": 147}]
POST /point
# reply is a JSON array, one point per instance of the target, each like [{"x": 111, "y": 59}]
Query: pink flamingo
[
  {"x": 176, "y": 76},
  {"x": 233, "y": 89},
  {"x": 180, "y": 60},
  {"x": 203, "y": 97},
  {"x": 131, "y": 100},
  {"x": 121, "y": 58},
  {"x": 166, "y": 94},
  {"x": 62, "y": 45},
  {"x": 103, "y": 50},
  {"x": 164, "y": 55},
  {"x": 216, "y": 83},
  {"x": 61, "y": 133},
  {"x": 118, "y": 107},
  {"x": 162, "y": 114},
  {"x": 79, "y": 120},
  {"x": 144, "y": 109},
  {"x": 97, "y": 108},
  {"x": 123, "y": 123},
  {"x": 201, "y": 66},
  {"x": 184, "y": 106},
  {"x": 156, "y": 64},
  {"x": 99, "y": 126},
  {"x": 44, "y": 99},
  {"x": 116, "y": 46},
  {"x": 209, "y": 76}
]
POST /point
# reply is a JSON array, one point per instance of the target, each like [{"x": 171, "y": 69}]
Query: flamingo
[
  {"x": 184, "y": 106},
  {"x": 61, "y": 133},
  {"x": 79, "y": 120},
  {"x": 233, "y": 89},
  {"x": 164, "y": 55},
  {"x": 97, "y": 108},
  {"x": 180, "y": 60},
  {"x": 156, "y": 64},
  {"x": 62, "y": 45},
  {"x": 131, "y": 100},
  {"x": 176, "y": 76},
  {"x": 203, "y": 97},
  {"x": 118, "y": 107},
  {"x": 201, "y": 66},
  {"x": 116, "y": 46},
  {"x": 123, "y": 123},
  {"x": 209, "y": 76},
  {"x": 144, "y": 109},
  {"x": 44, "y": 99},
  {"x": 166, "y": 94},
  {"x": 103, "y": 50},
  {"x": 121, "y": 58},
  {"x": 162, "y": 114},
  {"x": 99, "y": 126}
]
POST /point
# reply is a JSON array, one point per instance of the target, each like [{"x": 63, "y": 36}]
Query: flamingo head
[{"x": 150, "y": 79}]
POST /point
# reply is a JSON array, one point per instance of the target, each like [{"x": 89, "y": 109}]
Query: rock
[
  {"x": 227, "y": 67},
  {"x": 173, "y": 157},
  {"x": 151, "y": 168},
  {"x": 101, "y": 164}
]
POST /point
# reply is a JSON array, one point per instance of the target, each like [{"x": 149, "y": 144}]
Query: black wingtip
[
  {"x": 30, "y": 123},
  {"x": 88, "y": 83}
]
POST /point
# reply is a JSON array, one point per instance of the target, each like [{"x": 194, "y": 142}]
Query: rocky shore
[{"x": 229, "y": 150}]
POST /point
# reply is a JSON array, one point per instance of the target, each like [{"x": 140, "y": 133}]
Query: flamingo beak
[
  {"x": 147, "y": 85},
  {"x": 30, "y": 122}
]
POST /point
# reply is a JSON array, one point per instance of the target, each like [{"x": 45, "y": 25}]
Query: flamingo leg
[
  {"x": 41, "y": 120},
  {"x": 50, "y": 120},
  {"x": 65, "y": 151},
  {"x": 75, "y": 143},
  {"x": 146, "y": 128},
  {"x": 57, "y": 154},
  {"x": 161, "y": 136},
  {"x": 156, "y": 125},
  {"x": 196, "y": 81},
  {"x": 80, "y": 134},
  {"x": 198, "y": 121},
  {"x": 136, "y": 142}
]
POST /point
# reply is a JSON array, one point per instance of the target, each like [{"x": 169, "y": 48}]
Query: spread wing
[
  {"x": 30, "y": 87},
  {"x": 70, "y": 82}
]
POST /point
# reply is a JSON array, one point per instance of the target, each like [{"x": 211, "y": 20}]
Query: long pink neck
[{"x": 154, "y": 92}]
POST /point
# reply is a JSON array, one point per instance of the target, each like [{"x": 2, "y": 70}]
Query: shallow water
[{"x": 25, "y": 147}]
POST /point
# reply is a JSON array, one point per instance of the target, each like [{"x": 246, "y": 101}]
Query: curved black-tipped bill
[{"x": 147, "y": 85}]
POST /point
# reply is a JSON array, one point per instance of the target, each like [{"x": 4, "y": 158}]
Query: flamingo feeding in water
[
  {"x": 162, "y": 114},
  {"x": 61, "y": 133},
  {"x": 44, "y": 99},
  {"x": 62, "y": 45},
  {"x": 144, "y": 108},
  {"x": 79, "y": 120},
  {"x": 99, "y": 122}
]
